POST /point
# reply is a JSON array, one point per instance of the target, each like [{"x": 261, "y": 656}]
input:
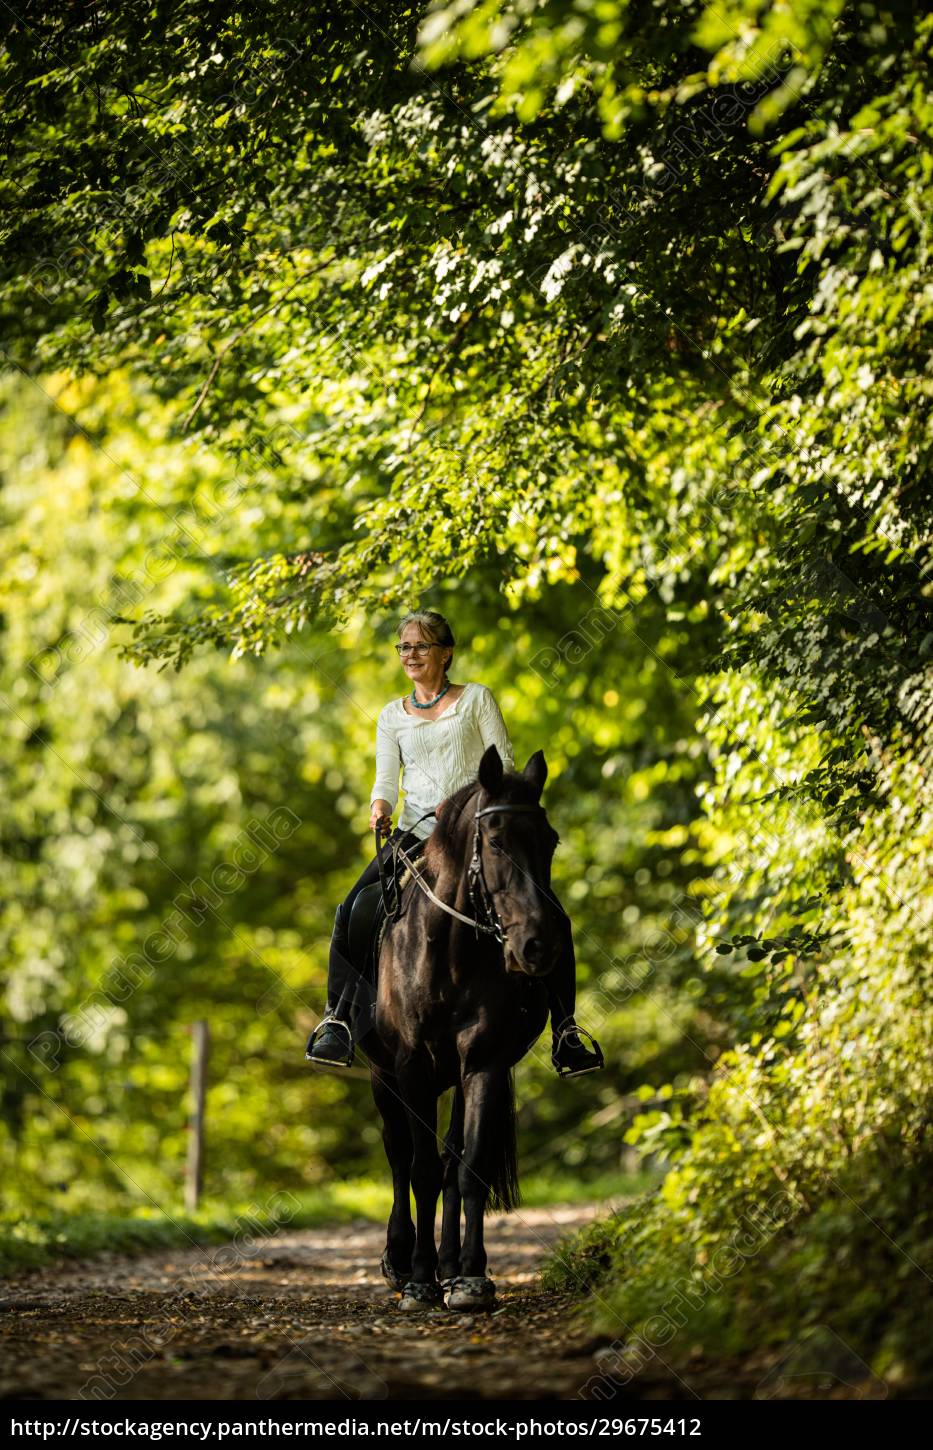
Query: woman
[{"x": 437, "y": 734}]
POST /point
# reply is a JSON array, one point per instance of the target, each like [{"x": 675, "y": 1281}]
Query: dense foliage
[
  {"x": 174, "y": 845},
  {"x": 604, "y": 325}
]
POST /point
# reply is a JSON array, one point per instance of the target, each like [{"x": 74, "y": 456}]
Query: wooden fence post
[{"x": 194, "y": 1174}]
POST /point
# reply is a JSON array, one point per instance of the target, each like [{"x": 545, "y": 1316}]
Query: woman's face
[{"x": 428, "y": 668}]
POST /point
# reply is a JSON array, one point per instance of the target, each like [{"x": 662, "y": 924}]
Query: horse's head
[{"x": 515, "y": 847}]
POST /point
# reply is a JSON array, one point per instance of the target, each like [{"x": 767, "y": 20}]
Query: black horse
[{"x": 457, "y": 1006}]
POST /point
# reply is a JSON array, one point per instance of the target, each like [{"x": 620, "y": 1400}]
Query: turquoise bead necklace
[{"x": 428, "y": 703}]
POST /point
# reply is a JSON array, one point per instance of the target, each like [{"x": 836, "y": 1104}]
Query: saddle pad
[
  {"x": 382, "y": 921},
  {"x": 368, "y": 923}
]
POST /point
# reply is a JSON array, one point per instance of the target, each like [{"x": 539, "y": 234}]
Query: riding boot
[
  {"x": 331, "y": 1042},
  {"x": 571, "y": 1058},
  {"x": 568, "y": 1053}
]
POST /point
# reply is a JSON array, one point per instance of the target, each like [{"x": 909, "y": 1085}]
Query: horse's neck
[
  {"x": 452, "y": 886},
  {"x": 454, "y": 950},
  {"x": 453, "y": 889}
]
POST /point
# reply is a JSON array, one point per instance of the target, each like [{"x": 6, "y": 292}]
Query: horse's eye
[{"x": 496, "y": 847}]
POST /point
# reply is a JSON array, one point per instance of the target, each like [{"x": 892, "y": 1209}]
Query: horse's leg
[
  {"x": 449, "y": 1262},
  {"x": 396, "y": 1139},
  {"x": 488, "y": 1129},
  {"x": 416, "y": 1080}
]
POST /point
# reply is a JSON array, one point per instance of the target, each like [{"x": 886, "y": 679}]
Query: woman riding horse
[{"x": 437, "y": 735}]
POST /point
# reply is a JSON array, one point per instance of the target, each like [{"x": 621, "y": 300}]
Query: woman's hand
[{"x": 380, "y": 817}]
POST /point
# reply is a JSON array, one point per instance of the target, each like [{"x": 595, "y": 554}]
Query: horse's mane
[{"x": 440, "y": 847}]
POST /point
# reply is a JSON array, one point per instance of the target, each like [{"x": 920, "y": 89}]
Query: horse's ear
[
  {"x": 536, "y": 770},
  {"x": 490, "y": 771}
]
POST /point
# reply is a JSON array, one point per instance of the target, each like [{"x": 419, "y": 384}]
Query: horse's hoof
[
  {"x": 465, "y": 1295},
  {"x": 416, "y": 1298},
  {"x": 395, "y": 1279}
]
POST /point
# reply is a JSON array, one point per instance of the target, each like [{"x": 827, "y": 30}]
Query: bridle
[{"x": 486, "y": 918}]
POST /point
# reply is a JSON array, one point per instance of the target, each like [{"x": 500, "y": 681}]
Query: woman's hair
[{"x": 432, "y": 625}]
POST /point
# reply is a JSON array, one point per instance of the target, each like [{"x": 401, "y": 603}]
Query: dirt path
[{"x": 303, "y": 1315}]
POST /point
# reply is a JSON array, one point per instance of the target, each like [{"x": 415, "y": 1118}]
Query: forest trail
[
  {"x": 300, "y": 1315},
  {"x": 306, "y": 1315}
]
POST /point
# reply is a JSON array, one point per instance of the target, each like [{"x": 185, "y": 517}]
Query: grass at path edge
[{"x": 48, "y": 1239}]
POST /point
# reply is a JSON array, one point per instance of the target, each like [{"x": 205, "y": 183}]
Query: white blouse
[{"x": 436, "y": 757}]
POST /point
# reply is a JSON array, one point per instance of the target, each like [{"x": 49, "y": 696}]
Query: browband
[{"x": 507, "y": 806}]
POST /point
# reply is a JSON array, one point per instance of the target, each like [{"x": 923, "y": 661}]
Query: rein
[
  {"x": 487, "y": 917},
  {"x": 388, "y": 880}
]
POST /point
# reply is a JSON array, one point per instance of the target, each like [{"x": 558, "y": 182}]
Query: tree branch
[{"x": 208, "y": 381}]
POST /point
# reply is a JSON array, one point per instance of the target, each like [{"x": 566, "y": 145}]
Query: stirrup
[
  {"x": 347, "y": 1060},
  {"x": 569, "y": 1028}
]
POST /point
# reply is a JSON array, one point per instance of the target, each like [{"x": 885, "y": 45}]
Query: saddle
[{"x": 368, "y": 919}]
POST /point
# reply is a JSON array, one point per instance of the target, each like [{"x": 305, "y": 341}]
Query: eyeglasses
[{"x": 419, "y": 650}]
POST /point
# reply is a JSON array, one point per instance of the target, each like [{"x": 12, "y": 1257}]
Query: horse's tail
[{"x": 503, "y": 1155}]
